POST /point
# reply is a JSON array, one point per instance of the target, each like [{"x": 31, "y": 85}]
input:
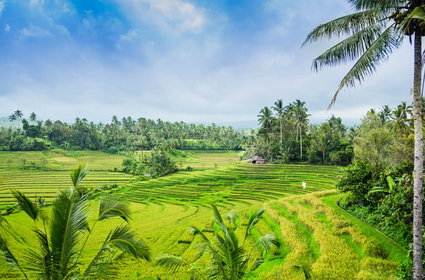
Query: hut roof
[{"x": 256, "y": 158}]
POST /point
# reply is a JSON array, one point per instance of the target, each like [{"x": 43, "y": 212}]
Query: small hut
[{"x": 256, "y": 160}]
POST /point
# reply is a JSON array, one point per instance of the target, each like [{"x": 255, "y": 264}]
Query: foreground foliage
[
  {"x": 230, "y": 260},
  {"x": 63, "y": 234}
]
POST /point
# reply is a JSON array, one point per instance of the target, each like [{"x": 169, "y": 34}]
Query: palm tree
[
  {"x": 374, "y": 31},
  {"x": 229, "y": 258},
  {"x": 33, "y": 117},
  {"x": 265, "y": 118},
  {"x": 62, "y": 237},
  {"x": 402, "y": 116},
  {"x": 298, "y": 115},
  {"x": 12, "y": 118},
  {"x": 385, "y": 113},
  {"x": 18, "y": 114},
  {"x": 280, "y": 110}
]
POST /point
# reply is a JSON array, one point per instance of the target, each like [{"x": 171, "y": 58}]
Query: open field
[{"x": 313, "y": 230}]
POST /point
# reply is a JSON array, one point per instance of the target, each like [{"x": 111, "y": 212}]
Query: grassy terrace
[
  {"x": 239, "y": 182},
  {"x": 44, "y": 173}
]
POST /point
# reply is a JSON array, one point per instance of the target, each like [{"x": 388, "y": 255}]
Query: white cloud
[
  {"x": 131, "y": 36},
  {"x": 7, "y": 28},
  {"x": 177, "y": 15},
  {"x": 35, "y": 3},
  {"x": 2, "y": 6},
  {"x": 34, "y": 31}
]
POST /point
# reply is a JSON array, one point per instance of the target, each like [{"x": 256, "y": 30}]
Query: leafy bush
[
  {"x": 157, "y": 164},
  {"x": 357, "y": 180}
]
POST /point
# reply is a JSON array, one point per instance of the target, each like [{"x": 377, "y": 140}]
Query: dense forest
[{"x": 126, "y": 134}]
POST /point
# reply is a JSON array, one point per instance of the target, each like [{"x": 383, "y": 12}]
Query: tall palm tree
[
  {"x": 33, "y": 117},
  {"x": 265, "y": 118},
  {"x": 374, "y": 31},
  {"x": 280, "y": 110},
  {"x": 62, "y": 237},
  {"x": 299, "y": 118},
  {"x": 18, "y": 114}
]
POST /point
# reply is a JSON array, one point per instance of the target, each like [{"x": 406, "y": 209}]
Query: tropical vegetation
[
  {"x": 373, "y": 32},
  {"x": 62, "y": 234}
]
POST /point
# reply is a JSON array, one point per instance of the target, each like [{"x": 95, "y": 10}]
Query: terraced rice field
[
  {"x": 242, "y": 182},
  {"x": 314, "y": 232},
  {"x": 44, "y": 173}
]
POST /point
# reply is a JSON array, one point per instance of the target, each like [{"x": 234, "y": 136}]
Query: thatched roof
[{"x": 256, "y": 158}]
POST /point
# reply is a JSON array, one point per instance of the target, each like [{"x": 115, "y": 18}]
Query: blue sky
[{"x": 192, "y": 60}]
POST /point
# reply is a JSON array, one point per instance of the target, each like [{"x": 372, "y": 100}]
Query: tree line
[{"x": 127, "y": 134}]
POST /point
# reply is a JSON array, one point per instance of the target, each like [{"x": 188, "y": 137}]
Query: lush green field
[
  {"x": 44, "y": 173},
  {"x": 314, "y": 231}
]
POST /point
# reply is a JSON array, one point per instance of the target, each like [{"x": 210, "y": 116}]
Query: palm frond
[
  {"x": 69, "y": 219},
  {"x": 417, "y": 13},
  {"x": 348, "y": 49},
  {"x": 29, "y": 207},
  {"x": 172, "y": 263},
  {"x": 196, "y": 231},
  {"x": 9, "y": 257},
  {"x": 232, "y": 217},
  {"x": 265, "y": 242},
  {"x": 253, "y": 220},
  {"x": 78, "y": 174},
  {"x": 125, "y": 240},
  {"x": 346, "y": 25},
  {"x": 377, "y": 4},
  {"x": 41, "y": 262},
  {"x": 112, "y": 207},
  {"x": 306, "y": 272},
  {"x": 366, "y": 65},
  {"x": 217, "y": 216}
]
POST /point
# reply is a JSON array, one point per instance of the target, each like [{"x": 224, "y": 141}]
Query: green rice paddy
[{"x": 314, "y": 231}]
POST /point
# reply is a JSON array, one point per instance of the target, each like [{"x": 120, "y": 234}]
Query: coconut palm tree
[
  {"x": 18, "y": 114},
  {"x": 297, "y": 115},
  {"x": 402, "y": 116},
  {"x": 62, "y": 237},
  {"x": 279, "y": 109},
  {"x": 265, "y": 118},
  {"x": 33, "y": 117},
  {"x": 230, "y": 261},
  {"x": 385, "y": 113},
  {"x": 373, "y": 32}
]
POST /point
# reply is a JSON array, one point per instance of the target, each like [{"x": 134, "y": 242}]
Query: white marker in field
[{"x": 304, "y": 184}]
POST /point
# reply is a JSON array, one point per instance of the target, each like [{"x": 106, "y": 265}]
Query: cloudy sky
[{"x": 192, "y": 60}]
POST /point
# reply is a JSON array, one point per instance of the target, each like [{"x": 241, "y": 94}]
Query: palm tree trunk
[
  {"x": 301, "y": 144},
  {"x": 418, "y": 161},
  {"x": 281, "y": 135}
]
